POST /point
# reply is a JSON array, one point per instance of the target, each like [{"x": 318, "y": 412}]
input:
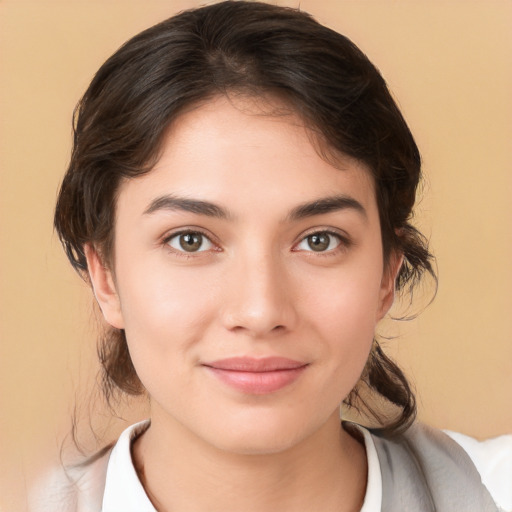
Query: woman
[{"x": 239, "y": 198}]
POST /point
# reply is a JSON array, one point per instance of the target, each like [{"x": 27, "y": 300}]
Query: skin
[{"x": 254, "y": 288}]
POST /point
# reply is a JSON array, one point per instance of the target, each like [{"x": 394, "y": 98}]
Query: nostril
[{"x": 277, "y": 328}]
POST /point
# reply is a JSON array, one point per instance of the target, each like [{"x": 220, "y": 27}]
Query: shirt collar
[
  {"x": 373, "y": 497},
  {"x": 124, "y": 491}
]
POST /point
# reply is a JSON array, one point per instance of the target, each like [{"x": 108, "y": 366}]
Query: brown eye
[
  {"x": 321, "y": 241},
  {"x": 318, "y": 242},
  {"x": 190, "y": 241}
]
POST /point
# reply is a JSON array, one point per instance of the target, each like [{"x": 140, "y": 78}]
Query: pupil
[
  {"x": 318, "y": 242},
  {"x": 190, "y": 242}
]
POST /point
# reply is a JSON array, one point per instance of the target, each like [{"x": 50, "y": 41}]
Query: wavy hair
[{"x": 256, "y": 49}]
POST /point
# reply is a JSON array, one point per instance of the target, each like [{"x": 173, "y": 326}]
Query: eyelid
[
  {"x": 344, "y": 239},
  {"x": 186, "y": 230},
  {"x": 342, "y": 236}
]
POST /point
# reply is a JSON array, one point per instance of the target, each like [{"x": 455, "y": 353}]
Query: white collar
[
  {"x": 124, "y": 491},
  {"x": 373, "y": 497}
]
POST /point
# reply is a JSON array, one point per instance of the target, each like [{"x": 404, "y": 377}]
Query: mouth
[{"x": 257, "y": 376}]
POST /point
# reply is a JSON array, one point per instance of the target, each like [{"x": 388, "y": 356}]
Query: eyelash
[
  {"x": 188, "y": 254},
  {"x": 343, "y": 240},
  {"x": 343, "y": 243}
]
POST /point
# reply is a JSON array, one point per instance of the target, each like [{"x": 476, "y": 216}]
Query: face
[{"x": 249, "y": 278}]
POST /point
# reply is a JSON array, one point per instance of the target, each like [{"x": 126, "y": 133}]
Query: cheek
[
  {"x": 343, "y": 311},
  {"x": 165, "y": 322},
  {"x": 348, "y": 323},
  {"x": 164, "y": 312},
  {"x": 347, "y": 299}
]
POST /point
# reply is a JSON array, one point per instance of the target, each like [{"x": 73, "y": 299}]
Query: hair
[{"x": 255, "y": 49}]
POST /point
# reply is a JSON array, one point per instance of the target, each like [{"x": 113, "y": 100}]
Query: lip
[{"x": 257, "y": 376}]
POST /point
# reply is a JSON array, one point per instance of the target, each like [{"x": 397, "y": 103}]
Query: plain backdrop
[{"x": 448, "y": 64}]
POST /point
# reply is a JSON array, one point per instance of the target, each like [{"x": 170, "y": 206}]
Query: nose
[{"x": 259, "y": 299}]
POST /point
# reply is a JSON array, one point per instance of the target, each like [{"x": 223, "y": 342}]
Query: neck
[{"x": 326, "y": 471}]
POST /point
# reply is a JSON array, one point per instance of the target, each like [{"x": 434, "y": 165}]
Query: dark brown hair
[{"x": 256, "y": 49}]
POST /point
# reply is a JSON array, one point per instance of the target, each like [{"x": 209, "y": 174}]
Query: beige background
[{"x": 448, "y": 64}]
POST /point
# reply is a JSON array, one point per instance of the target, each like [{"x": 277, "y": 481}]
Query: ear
[
  {"x": 104, "y": 288},
  {"x": 387, "y": 285}
]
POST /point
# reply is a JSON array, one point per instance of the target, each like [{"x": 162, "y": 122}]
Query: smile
[{"x": 257, "y": 376}]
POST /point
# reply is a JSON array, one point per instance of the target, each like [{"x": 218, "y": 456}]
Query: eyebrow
[
  {"x": 317, "y": 207},
  {"x": 173, "y": 203},
  {"x": 327, "y": 205}
]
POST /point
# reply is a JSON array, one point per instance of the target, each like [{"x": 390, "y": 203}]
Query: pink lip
[{"x": 257, "y": 376}]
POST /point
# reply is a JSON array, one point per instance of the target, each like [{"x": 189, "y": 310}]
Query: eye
[
  {"x": 321, "y": 241},
  {"x": 190, "y": 241}
]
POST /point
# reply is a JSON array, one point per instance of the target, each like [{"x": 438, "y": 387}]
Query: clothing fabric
[
  {"x": 493, "y": 459},
  {"x": 123, "y": 490},
  {"x": 121, "y": 475},
  {"x": 423, "y": 470},
  {"x": 426, "y": 470}
]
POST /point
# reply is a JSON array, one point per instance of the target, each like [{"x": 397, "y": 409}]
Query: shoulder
[
  {"x": 425, "y": 468},
  {"x": 74, "y": 488},
  {"x": 85, "y": 485},
  {"x": 493, "y": 460}
]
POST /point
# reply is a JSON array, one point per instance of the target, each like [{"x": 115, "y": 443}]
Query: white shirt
[{"x": 492, "y": 458}]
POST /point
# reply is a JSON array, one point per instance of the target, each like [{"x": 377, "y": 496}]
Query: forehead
[{"x": 229, "y": 146}]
